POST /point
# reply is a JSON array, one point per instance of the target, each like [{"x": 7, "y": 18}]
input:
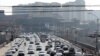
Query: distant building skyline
[
  {"x": 68, "y": 13},
  {"x": 17, "y": 2}
]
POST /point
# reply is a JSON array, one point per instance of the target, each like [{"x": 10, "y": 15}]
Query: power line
[
  {"x": 28, "y": 11},
  {"x": 54, "y": 6}
]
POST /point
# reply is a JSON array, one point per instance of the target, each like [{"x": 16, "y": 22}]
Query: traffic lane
[
  {"x": 20, "y": 48},
  {"x": 34, "y": 46},
  {"x": 77, "y": 50},
  {"x": 27, "y": 47}
]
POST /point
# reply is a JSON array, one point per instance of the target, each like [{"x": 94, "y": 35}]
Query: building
[
  {"x": 74, "y": 10},
  {"x": 37, "y": 9},
  {"x": 40, "y": 9},
  {"x": 1, "y": 14}
]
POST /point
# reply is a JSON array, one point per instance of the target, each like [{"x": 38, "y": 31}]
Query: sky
[{"x": 16, "y": 2}]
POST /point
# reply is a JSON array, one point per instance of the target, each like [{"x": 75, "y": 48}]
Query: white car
[
  {"x": 8, "y": 54},
  {"x": 16, "y": 47},
  {"x": 12, "y": 50},
  {"x": 31, "y": 52},
  {"x": 42, "y": 53},
  {"x": 58, "y": 54},
  {"x": 79, "y": 54},
  {"x": 65, "y": 52},
  {"x": 30, "y": 48}
]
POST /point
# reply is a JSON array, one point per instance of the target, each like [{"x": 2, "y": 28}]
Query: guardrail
[{"x": 88, "y": 49}]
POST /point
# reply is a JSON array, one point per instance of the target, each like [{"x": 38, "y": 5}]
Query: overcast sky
[{"x": 16, "y": 2}]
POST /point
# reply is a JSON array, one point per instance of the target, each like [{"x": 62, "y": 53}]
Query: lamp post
[
  {"x": 75, "y": 34},
  {"x": 96, "y": 35}
]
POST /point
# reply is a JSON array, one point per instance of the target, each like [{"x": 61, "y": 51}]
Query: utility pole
[{"x": 97, "y": 32}]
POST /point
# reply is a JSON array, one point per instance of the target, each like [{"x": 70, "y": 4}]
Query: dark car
[
  {"x": 31, "y": 42},
  {"x": 62, "y": 46},
  {"x": 38, "y": 48},
  {"x": 37, "y": 43},
  {"x": 21, "y": 54},
  {"x": 47, "y": 47},
  {"x": 52, "y": 53},
  {"x": 71, "y": 52},
  {"x": 65, "y": 48},
  {"x": 27, "y": 39}
]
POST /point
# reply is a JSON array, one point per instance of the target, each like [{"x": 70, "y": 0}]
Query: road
[{"x": 33, "y": 37}]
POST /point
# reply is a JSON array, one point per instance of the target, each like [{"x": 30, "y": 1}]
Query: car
[
  {"x": 57, "y": 42},
  {"x": 8, "y": 54},
  {"x": 47, "y": 39},
  {"x": 53, "y": 39},
  {"x": 50, "y": 45},
  {"x": 70, "y": 53},
  {"x": 57, "y": 48},
  {"x": 30, "y": 47},
  {"x": 72, "y": 50},
  {"x": 60, "y": 50},
  {"x": 53, "y": 53},
  {"x": 49, "y": 51},
  {"x": 16, "y": 47},
  {"x": 65, "y": 48},
  {"x": 42, "y": 53},
  {"x": 65, "y": 53},
  {"x": 62, "y": 45},
  {"x": 47, "y": 47},
  {"x": 12, "y": 50},
  {"x": 18, "y": 44},
  {"x": 80, "y": 54},
  {"x": 37, "y": 43},
  {"x": 21, "y": 53},
  {"x": 38, "y": 48},
  {"x": 27, "y": 39},
  {"x": 30, "y": 52},
  {"x": 31, "y": 42},
  {"x": 58, "y": 54}
]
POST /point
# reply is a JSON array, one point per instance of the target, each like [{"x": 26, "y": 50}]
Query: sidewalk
[{"x": 4, "y": 49}]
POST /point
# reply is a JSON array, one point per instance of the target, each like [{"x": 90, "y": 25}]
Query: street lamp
[
  {"x": 96, "y": 35},
  {"x": 75, "y": 30}
]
